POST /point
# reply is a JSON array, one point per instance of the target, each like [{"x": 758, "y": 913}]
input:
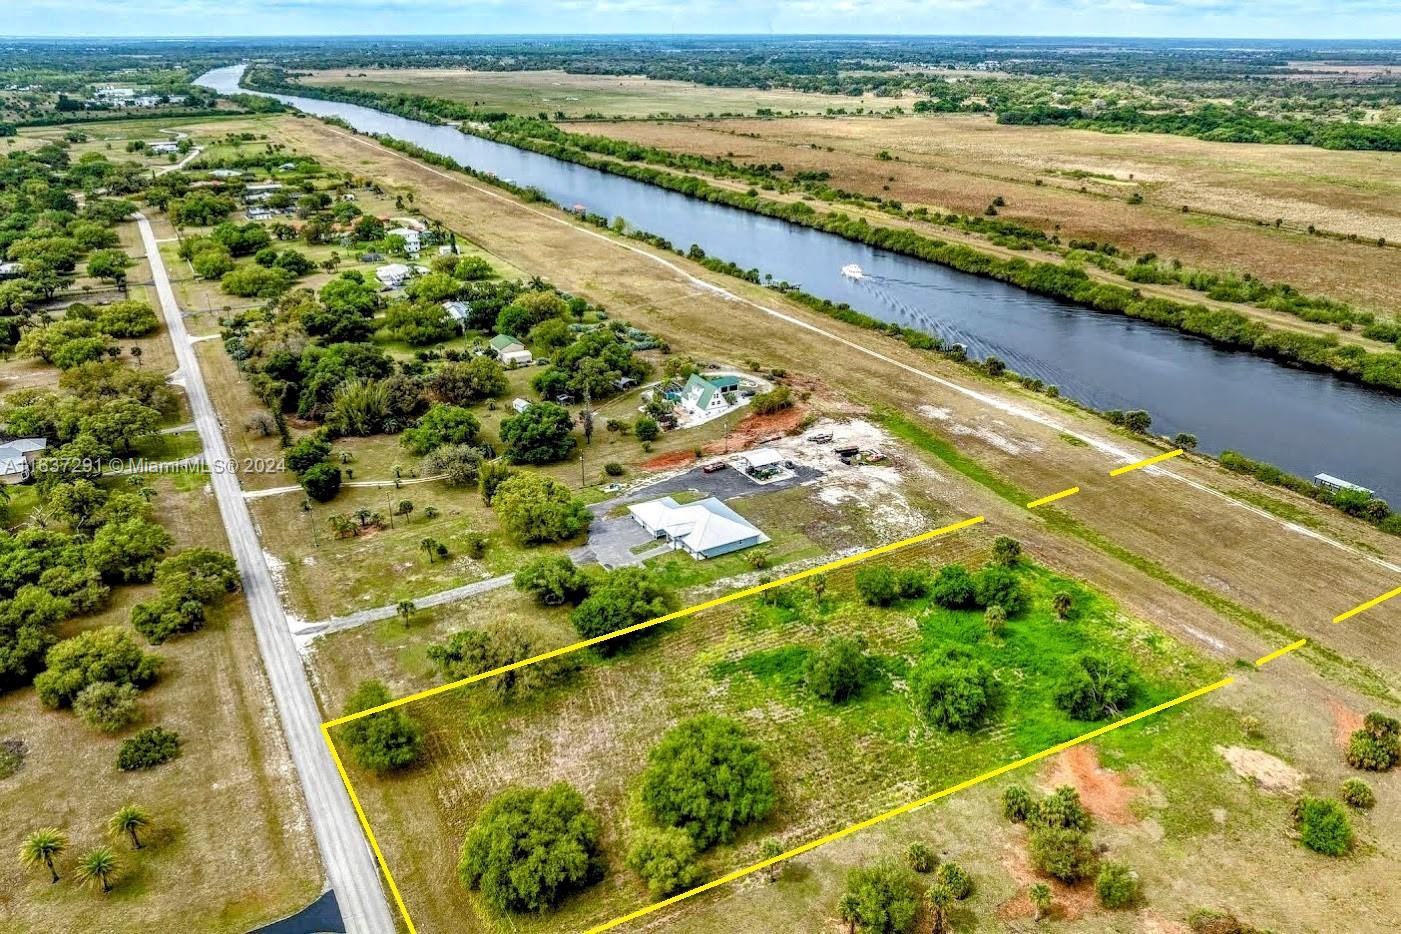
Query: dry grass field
[
  {"x": 532, "y": 92},
  {"x": 1191, "y": 551},
  {"x": 1079, "y": 182}
]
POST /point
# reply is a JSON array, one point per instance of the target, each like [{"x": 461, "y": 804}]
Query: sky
[{"x": 1314, "y": 19}]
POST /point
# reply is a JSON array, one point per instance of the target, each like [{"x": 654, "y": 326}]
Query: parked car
[
  {"x": 711, "y": 468},
  {"x": 822, "y": 437}
]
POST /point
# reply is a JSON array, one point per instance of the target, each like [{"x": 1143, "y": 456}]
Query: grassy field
[
  {"x": 1079, "y": 183},
  {"x": 532, "y": 92}
]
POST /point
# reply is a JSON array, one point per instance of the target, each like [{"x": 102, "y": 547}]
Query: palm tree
[
  {"x": 406, "y": 610},
  {"x": 98, "y": 867},
  {"x": 849, "y": 910},
  {"x": 364, "y": 516},
  {"x": 940, "y": 896},
  {"x": 128, "y": 820},
  {"x": 1040, "y": 895},
  {"x": 41, "y": 847},
  {"x": 429, "y": 547},
  {"x": 136, "y": 354}
]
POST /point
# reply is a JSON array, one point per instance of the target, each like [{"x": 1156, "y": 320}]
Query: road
[{"x": 350, "y": 866}]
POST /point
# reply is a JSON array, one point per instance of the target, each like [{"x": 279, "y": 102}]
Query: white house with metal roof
[
  {"x": 17, "y": 458},
  {"x": 706, "y": 528}
]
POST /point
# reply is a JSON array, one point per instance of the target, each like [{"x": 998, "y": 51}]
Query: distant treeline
[{"x": 1216, "y": 122}]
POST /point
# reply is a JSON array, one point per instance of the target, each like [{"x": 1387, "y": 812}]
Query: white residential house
[
  {"x": 511, "y": 351},
  {"x": 226, "y": 173},
  {"x": 260, "y": 191},
  {"x": 520, "y": 405},
  {"x": 706, "y": 528},
  {"x": 11, "y": 270},
  {"x": 17, "y": 458},
  {"x": 458, "y": 311},
  {"x": 412, "y": 242},
  {"x": 704, "y": 395},
  {"x": 164, "y": 147},
  {"x": 393, "y": 275}
]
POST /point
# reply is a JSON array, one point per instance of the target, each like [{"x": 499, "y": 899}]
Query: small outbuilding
[{"x": 17, "y": 458}]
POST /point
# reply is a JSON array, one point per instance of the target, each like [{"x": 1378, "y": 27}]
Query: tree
[
  {"x": 707, "y": 778},
  {"x": 1358, "y": 794},
  {"x": 405, "y": 610},
  {"x": 457, "y": 464},
  {"x": 98, "y": 867},
  {"x": 838, "y": 670},
  {"x": 149, "y": 748},
  {"x": 321, "y": 481},
  {"x": 771, "y": 848},
  {"x": 491, "y": 475},
  {"x": 552, "y": 580},
  {"x": 42, "y": 847},
  {"x": 1323, "y": 826},
  {"x": 442, "y": 424},
  {"x": 385, "y": 741},
  {"x": 665, "y": 858},
  {"x": 429, "y": 547},
  {"x": 254, "y": 281},
  {"x": 1017, "y": 804},
  {"x": 626, "y": 597},
  {"x": 1116, "y": 886},
  {"x": 1061, "y": 810},
  {"x": 877, "y": 585},
  {"x": 1063, "y": 853},
  {"x": 129, "y": 820},
  {"x": 1062, "y": 603},
  {"x": 306, "y": 452},
  {"x": 470, "y": 652},
  {"x": 539, "y": 435},
  {"x": 995, "y": 618},
  {"x": 954, "y": 588},
  {"x": 1377, "y": 746},
  {"x": 106, "y": 706},
  {"x": 471, "y": 381},
  {"x": 105, "y": 654},
  {"x": 533, "y": 508},
  {"x": 530, "y": 848},
  {"x": 956, "y": 878},
  {"x": 884, "y": 898},
  {"x": 1040, "y": 895},
  {"x": 1006, "y": 551},
  {"x": 999, "y": 585},
  {"x": 952, "y": 690},
  {"x": 775, "y": 400},
  {"x": 646, "y": 429},
  {"x": 940, "y": 899},
  {"x": 1096, "y": 686},
  {"x": 109, "y": 264}
]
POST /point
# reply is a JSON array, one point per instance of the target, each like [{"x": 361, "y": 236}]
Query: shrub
[
  {"x": 1006, "y": 551},
  {"x": 1377, "y": 746},
  {"x": 956, "y": 878},
  {"x": 1116, "y": 886},
  {"x": 954, "y": 587},
  {"x": 1063, "y": 853},
  {"x": 920, "y": 857},
  {"x": 1323, "y": 826},
  {"x": 1062, "y": 603},
  {"x": 952, "y": 690},
  {"x": 148, "y": 749},
  {"x": 665, "y": 858},
  {"x": 1210, "y": 921},
  {"x": 882, "y": 899},
  {"x": 912, "y": 583},
  {"x": 999, "y": 585},
  {"x": 775, "y": 400},
  {"x": 708, "y": 778},
  {"x": 646, "y": 429},
  {"x": 530, "y": 848},
  {"x": 1096, "y": 686},
  {"x": 384, "y": 741},
  {"x": 613, "y": 469},
  {"x": 1017, "y": 804},
  {"x": 306, "y": 452},
  {"x": 996, "y": 619},
  {"x": 877, "y": 585},
  {"x": 1358, "y": 794},
  {"x": 106, "y": 706},
  {"x": 626, "y": 597},
  {"x": 106, "y": 654},
  {"x": 321, "y": 481},
  {"x": 1061, "y": 810},
  {"x": 552, "y": 580},
  {"x": 470, "y": 652},
  {"x": 837, "y": 671}
]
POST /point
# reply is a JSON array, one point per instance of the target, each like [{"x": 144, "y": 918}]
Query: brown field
[
  {"x": 531, "y": 92},
  {"x": 1174, "y": 549},
  {"x": 960, "y": 163},
  {"x": 230, "y": 848}
]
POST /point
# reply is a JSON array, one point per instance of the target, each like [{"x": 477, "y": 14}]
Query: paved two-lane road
[{"x": 350, "y": 866}]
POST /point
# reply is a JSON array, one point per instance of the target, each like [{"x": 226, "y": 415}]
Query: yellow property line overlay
[
  {"x": 1368, "y": 605},
  {"x": 1053, "y": 497},
  {"x": 679, "y": 614},
  {"x": 1266, "y": 659},
  {"x": 1144, "y": 463},
  {"x": 904, "y": 808},
  {"x": 365, "y": 824}
]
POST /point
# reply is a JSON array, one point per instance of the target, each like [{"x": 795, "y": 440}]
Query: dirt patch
[
  {"x": 1267, "y": 772},
  {"x": 670, "y": 461},
  {"x": 1346, "y": 721},
  {"x": 755, "y": 428},
  {"x": 1068, "y": 902},
  {"x": 1104, "y": 792},
  {"x": 1150, "y": 922}
]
